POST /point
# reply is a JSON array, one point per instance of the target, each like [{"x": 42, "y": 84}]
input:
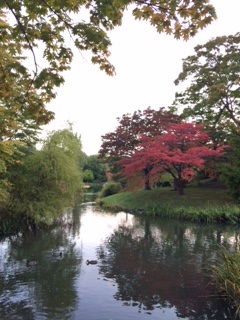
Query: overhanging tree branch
[{"x": 29, "y": 44}]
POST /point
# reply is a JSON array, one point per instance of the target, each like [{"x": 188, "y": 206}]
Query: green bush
[
  {"x": 109, "y": 188},
  {"x": 88, "y": 176}
]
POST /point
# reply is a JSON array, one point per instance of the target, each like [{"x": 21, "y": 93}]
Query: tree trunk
[
  {"x": 175, "y": 184},
  {"x": 147, "y": 183},
  {"x": 181, "y": 191},
  {"x": 180, "y": 186}
]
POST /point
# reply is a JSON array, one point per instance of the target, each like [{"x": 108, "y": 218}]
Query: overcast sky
[{"x": 146, "y": 63}]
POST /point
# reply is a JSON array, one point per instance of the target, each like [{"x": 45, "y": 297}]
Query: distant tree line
[{"x": 93, "y": 169}]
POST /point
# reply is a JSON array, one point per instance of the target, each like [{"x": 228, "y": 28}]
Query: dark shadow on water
[
  {"x": 164, "y": 264},
  {"x": 46, "y": 289}
]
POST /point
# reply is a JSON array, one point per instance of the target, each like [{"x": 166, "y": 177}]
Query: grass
[
  {"x": 226, "y": 275},
  {"x": 198, "y": 204}
]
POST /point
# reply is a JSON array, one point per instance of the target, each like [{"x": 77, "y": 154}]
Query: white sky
[{"x": 146, "y": 63}]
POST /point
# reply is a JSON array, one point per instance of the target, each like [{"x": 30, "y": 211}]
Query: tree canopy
[
  {"x": 213, "y": 95},
  {"x": 180, "y": 150},
  {"x": 125, "y": 140},
  {"x": 46, "y": 180},
  {"x": 44, "y": 29},
  {"x": 96, "y": 167},
  {"x": 230, "y": 169}
]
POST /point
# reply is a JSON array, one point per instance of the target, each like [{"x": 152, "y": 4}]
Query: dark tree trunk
[
  {"x": 175, "y": 184},
  {"x": 180, "y": 187},
  {"x": 147, "y": 183},
  {"x": 147, "y": 180}
]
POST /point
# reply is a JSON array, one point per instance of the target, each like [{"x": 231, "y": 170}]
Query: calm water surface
[{"x": 147, "y": 269}]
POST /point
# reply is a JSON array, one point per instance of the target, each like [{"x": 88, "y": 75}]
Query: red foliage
[
  {"x": 126, "y": 138},
  {"x": 180, "y": 150}
]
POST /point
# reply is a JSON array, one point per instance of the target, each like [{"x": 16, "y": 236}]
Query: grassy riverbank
[{"x": 198, "y": 204}]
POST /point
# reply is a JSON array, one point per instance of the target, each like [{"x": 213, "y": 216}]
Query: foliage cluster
[
  {"x": 179, "y": 151},
  {"x": 125, "y": 140},
  {"x": 213, "y": 94},
  {"x": 44, "y": 181},
  {"x": 88, "y": 175},
  {"x": 230, "y": 171},
  {"x": 93, "y": 169},
  {"x": 109, "y": 188}
]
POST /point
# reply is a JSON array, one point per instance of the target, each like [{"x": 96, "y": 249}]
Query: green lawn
[{"x": 198, "y": 204}]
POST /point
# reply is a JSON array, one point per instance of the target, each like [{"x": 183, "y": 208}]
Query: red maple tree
[
  {"x": 180, "y": 150},
  {"x": 125, "y": 140}
]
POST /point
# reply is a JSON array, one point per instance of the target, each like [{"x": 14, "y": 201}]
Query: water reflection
[
  {"x": 146, "y": 268},
  {"x": 160, "y": 264},
  {"x": 45, "y": 290}
]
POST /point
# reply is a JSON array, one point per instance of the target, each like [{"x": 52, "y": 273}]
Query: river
[{"x": 147, "y": 268}]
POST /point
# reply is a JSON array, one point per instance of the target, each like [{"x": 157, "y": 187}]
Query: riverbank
[
  {"x": 201, "y": 203},
  {"x": 198, "y": 204}
]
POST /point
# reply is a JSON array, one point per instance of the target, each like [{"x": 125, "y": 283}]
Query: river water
[{"x": 153, "y": 268}]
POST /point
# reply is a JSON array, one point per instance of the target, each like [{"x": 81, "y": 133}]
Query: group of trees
[
  {"x": 37, "y": 42},
  {"x": 43, "y": 181},
  {"x": 151, "y": 142},
  {"x": 93, "y": 169},
  {"x": 180, "y": 150}
]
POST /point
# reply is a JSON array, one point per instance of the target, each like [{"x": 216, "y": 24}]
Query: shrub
[
  {"x": 166, "y": 184},
  {"x": 109, "y": 188},
  {"x": 88, "y": 176}
]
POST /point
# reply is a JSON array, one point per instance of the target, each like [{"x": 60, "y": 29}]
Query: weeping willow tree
[{"x": 47, "y": 180}]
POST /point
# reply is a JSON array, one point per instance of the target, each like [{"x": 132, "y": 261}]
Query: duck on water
[
  {"x": 57, "y": 254},
  {"x": 91, "y": 262}
]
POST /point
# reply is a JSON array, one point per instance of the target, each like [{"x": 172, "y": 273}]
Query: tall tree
[
  {"x": 180, "y": 150},
  {"x": 213, "y": 95},
  {"x": 230, "y": 169},
  {"x": 125, "y": 140},
  {"x": 46, "y": 180},
  {"x": 22, "y": 111},
  {"x": 68, "y": 141}
]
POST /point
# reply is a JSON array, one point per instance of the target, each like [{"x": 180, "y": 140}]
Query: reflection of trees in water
[
  {"x": 46, "y": 289},
  {"x": 90, "y": 194},
  {"x": 160, "y": 264}
]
